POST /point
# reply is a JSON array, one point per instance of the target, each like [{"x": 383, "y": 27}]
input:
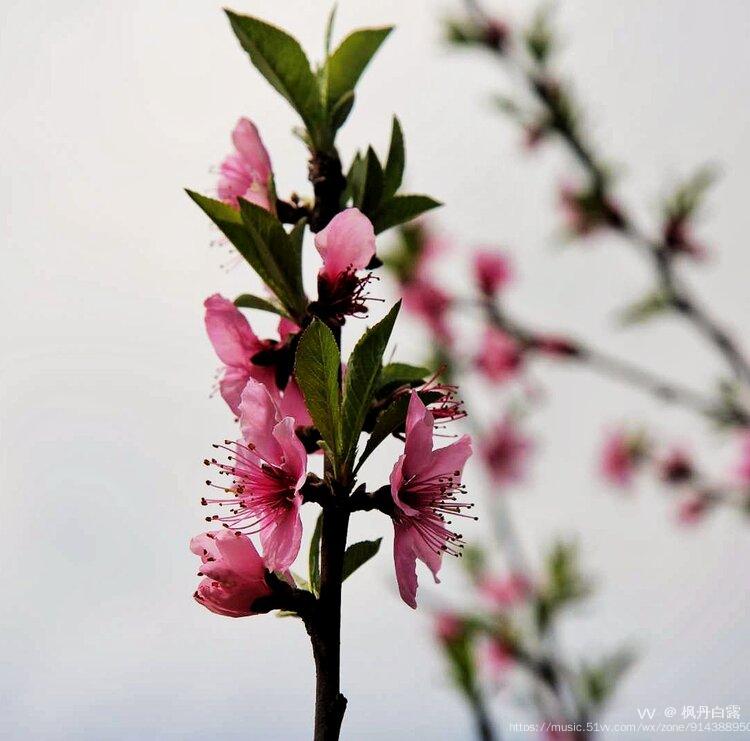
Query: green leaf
[
  {"x": 329, "y": 30},
  {"x": 390, "y": 419},
  {"x": 362, "y": 372},
  {"x": 393, "y": 173},
  {"x": 646, "y": 308},
  {"x": 401, "y": 373},
  {"x": 258, "y": 237},
  {"x": 358, "y": 554},
  {"x": 355, "y": 180},
  {"x": 400, "y": 209},
  {"x": 341, "y": 110},
  {"x": 346, "y": 65},
  {"x": 372, "y": 191},
  {"x": 314, "y": 557},
  {"x": 316, "y": 369},
  {"x": 279, "y": 258},
  {"x": 249, "y": 301},
  {"x": 281, "y": 60}
]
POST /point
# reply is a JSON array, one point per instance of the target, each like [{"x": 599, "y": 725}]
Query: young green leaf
[
  {"x": 280, "y": 258},
  {"x": 248, "y": 301},
  {"x": 281, "y": 60},
  {"x": 314, "y": 557},
  {"x": 346, "y": 65},
  {"x": 394, "y": 167},
  {"x": 341, "y": 110},
  {"x": 396, "y": 374},
  {"x": 358, "y": 554},
  {"x": 372, "y": 191},
  {"x": 389, "y": 420},
  {"x": 355, "y": 180},
  {"x": 316, "y": 369},
  {"x": 362, "y": 372},
  {"x": 400, "y": 209},
  {"x": 252, "y": 245}
]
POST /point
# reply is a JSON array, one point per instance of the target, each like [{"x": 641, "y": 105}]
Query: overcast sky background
[{"x": 109, "y": 110}]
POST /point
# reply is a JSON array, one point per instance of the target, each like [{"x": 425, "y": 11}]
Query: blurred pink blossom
[
  {"x": 492, "y": 271},
  {"x": 508, "y": 591},
  {"x": 500, "y": 356},
  {"x": 505, "y": 451},
  {"x": 619, "y": 457}
]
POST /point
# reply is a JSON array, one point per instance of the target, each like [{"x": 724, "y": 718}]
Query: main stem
[
  {"x": 325, "y": 631},
  {"x": 329, "y": 183}
]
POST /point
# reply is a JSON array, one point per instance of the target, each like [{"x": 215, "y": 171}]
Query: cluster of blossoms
[
  {"x": 627, "y": 453},
  {"x": 267, "y": 467}
]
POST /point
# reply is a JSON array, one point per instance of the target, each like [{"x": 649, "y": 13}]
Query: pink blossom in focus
[
  {"x": 425, "y": 486},
  {"x": 347, "y": 245},
  {"x": 431, "y": 304},
  {"x": 500, "y": 356},
  {"x": 234, "y": 573},
  {"x": 267, "y": 470},
  {"x": 246, "y": 173},
  {"x": 505, "y": 451},
  {"x": 492, "y": 271},
  {"x": 506, "y": 592},
  {"x": 619, "y": 458},
  {"x": 448, "y": 627},
  {"x": 235, "y": 343}
]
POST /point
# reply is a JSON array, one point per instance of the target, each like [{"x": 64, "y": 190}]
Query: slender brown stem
[
  {"x": 325, "y": 630},
  {"x": 661, "y": 257}
]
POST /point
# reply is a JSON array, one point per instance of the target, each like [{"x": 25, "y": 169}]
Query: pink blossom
[
  {"x": 448, "y": 627},
  {"x": 346, "y": 245},
  {"x": 424, "y": 486},
  {"x": 692, "y": 509},
  {"x": 236, "y": 345},
  {"x": 500, "y": 356},
  {"x": 431, "y": 304},
  {"x": 743, "y": 466},
  {"x": 507, "y": 591},
  {"x": 499, "y": 657},
  {"x": 505, "y": 451},
  {"x": 619, "y": 458},
  {"x": 492, "y": 271},
  {"x": 234, "y": 573},
  {"x": 246, "y": 173},
  {"x": 268, "y": 470}
]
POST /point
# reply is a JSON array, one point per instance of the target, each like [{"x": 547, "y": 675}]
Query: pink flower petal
[
  {"x": 281, "y": 541},
  {"x": 230, "y": 334},
  {"x": 258, "y": 417},
  {"x": 348, "y": 242}
]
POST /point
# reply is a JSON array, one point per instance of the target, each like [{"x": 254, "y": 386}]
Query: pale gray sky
[{"x": 109, "y": 109}]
